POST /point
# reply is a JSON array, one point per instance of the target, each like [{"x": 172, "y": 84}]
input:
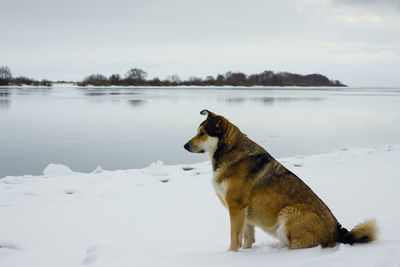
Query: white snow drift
[{"x": 169, "y": 215}]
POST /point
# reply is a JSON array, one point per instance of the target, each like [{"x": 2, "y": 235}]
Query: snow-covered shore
[
  {"x": 231, "y": 87},
  {"x": 169, "y": 215}
]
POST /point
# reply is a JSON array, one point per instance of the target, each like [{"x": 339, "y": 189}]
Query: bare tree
[
  {"x": 96, "y": 80},
  {"x": 5, "y": 75},
  {"x": 115, "y": 79},
  {"x": 194, "y": 79},
  {"x": 174, "y": 78},
  {"x": 155, "y": 82},
  {"x": 136, "y": 74},
  {"x": 228, "y": 75},
  {"x": 210, "y": 78},
  {"x": 235, "y": 78},
  {"x": 220, "y": 80}
]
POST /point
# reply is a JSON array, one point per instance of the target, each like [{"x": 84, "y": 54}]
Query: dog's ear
[
  {"x": 208, "y": 113},
  {"x": 213, "y": 125},
  {"x": 205, "y": 112}
]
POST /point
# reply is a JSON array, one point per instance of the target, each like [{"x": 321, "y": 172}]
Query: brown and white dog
[{"x": 259, "y": 191}]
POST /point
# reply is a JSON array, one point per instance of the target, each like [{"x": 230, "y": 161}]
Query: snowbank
[{"x": 169, "y": 215}]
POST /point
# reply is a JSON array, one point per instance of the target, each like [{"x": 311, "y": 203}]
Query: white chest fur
[{"x": 219, "y": 187}]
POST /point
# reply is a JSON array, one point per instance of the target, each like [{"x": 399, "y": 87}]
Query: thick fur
[{"x": 259, "y": 191}]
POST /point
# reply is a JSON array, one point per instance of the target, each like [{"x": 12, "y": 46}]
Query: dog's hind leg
[
  {"x": 248, "y": 236},
  {"x": 304, "y": 229}
]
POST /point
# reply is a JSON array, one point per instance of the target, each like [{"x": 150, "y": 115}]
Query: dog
[{"x": 259, "y": 191}]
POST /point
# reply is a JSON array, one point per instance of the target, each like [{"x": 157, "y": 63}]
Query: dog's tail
[{"x": 363, "y": 233}]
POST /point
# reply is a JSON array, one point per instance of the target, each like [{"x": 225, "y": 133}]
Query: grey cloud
[{"x": 384, "y": 3}]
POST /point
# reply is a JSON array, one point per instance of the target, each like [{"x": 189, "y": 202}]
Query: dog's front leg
[{"x": 237, "y": 217}]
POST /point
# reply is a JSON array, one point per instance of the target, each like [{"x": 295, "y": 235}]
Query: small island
[{"x": 138, "y": 77}]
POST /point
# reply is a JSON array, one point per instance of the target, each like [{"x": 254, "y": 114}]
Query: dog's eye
[{"x": 201, "y": 134}]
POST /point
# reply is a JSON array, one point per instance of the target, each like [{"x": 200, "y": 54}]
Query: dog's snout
[{"x": 186, "y": 146}]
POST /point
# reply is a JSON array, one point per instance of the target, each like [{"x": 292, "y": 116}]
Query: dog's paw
[
  {"x": 234, "y": 248},
  {"x": 248, "y": 243}
]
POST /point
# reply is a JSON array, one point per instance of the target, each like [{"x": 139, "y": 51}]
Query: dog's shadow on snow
[{"x": 277, "y": 248}]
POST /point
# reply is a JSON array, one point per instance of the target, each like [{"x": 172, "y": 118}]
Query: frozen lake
[{"x": 131, "y": 127}]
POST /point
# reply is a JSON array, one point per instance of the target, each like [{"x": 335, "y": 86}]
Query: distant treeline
[
  {"x": 137, "y": 77},
  {"x": 7, "y": 79}
]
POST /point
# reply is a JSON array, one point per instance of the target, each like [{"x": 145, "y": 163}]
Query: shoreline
[
  {"x": 230, "y": 87},
  {"x": 62, "y": 169}
]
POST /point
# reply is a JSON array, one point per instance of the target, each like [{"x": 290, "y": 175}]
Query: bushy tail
[{"x": 363, "y": 233}]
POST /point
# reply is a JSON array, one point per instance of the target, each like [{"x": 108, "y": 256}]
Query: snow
[
  {"x": 170, "y": 216},
  {"x": 57, "y": 169}
]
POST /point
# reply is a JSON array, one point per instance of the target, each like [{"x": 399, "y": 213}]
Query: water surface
[{"x": 121, "y": 128}]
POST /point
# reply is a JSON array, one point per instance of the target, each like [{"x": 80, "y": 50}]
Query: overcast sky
[{"x": 355, "y": 41}]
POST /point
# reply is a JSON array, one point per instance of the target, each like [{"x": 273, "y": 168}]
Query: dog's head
[{"x": 208, "y": 134}]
